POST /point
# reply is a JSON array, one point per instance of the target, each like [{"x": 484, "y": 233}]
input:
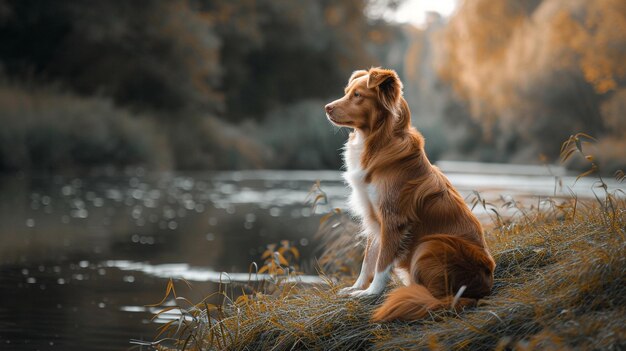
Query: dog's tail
[
  {"x": 452, "y": 273},
  {"x": 415, "y": 302}
]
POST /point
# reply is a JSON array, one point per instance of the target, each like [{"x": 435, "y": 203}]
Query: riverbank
[{"x": 560, "y": 283}]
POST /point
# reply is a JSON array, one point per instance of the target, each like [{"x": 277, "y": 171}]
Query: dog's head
[{"x": 370, "y": 98}]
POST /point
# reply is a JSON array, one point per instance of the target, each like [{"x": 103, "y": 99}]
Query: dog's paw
[
  {"x": 348, "y": 291},
  {"x": 364, "y": 293}
]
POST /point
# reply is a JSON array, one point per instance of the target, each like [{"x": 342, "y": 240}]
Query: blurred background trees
[
  {"x": 224, "y": 84},
  {"x": 534, "y": 72}
]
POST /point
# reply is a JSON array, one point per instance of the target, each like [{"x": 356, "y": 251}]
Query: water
[{"x": 82, "y": 257}]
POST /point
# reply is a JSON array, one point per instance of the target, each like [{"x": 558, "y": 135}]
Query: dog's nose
[{"x": 329, "y": 108}]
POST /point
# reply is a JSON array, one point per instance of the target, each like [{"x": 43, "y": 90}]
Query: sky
[{"x": 415, "y": 11}]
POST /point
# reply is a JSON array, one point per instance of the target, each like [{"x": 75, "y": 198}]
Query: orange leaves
[
  {"x": 320, "y": 198},
  {"x": 528, "y": 72},
  {"x": 575, "y": 144},
  {"x": 335, "y": 211},
  {"x": 317, "y": 195},
  {"x": 277, "y": 262},
  {"x": 602, "y": 59}
]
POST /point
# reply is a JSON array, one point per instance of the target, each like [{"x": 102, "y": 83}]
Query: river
[{"x": 82, "y": 257}]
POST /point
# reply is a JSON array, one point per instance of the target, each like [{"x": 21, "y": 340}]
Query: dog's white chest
[{"x": 364, "y": 196}]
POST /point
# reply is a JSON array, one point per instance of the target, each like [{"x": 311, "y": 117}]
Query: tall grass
[{"x": 560, "y": 283}]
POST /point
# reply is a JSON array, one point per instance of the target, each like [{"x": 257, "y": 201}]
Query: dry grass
[{"x": 560, "y": 284}]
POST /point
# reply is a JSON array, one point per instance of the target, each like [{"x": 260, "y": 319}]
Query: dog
[{"x": 414, "y": 221}]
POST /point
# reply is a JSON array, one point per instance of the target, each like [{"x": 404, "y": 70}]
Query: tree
[
  {"x": 160, "y": 55},
  {"x": 534, "y": 72}
]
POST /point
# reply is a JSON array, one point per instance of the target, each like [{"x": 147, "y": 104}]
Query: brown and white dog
[{"x": 414, "y": 220}]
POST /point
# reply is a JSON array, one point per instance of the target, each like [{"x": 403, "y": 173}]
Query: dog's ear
[
  {"x": 357, "y": 74},
  {"x": 389, "y": 87}
]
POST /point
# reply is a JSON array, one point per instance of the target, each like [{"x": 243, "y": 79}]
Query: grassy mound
[{"x": 560, "y": 284}]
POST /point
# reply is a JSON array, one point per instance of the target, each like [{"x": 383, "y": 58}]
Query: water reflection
[
  {"x": 200, "y": 274},
  {"x": 81, "y": 257}
]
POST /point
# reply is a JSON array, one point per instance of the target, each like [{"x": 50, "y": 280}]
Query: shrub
[
  {"x": 204, "y": 142},
  {"x": 300, "y": 137},
  {"x": 45, "y": 129}
]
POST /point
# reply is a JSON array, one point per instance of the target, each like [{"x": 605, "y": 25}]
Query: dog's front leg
[
  {"x": 368, "y": 267},
  {"x": 389, "y": 248}
]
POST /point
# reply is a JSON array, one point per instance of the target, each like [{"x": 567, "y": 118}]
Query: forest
[{"x": 222, "y": 84}]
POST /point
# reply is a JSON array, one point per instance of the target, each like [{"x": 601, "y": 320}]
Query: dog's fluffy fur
[{"x": 414, "y": 221}]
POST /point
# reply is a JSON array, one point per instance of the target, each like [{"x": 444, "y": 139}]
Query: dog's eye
[{"x": 356, "y": 94}]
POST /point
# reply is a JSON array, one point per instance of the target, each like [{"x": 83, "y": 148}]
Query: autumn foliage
[{"x": 532, "y": 72}]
